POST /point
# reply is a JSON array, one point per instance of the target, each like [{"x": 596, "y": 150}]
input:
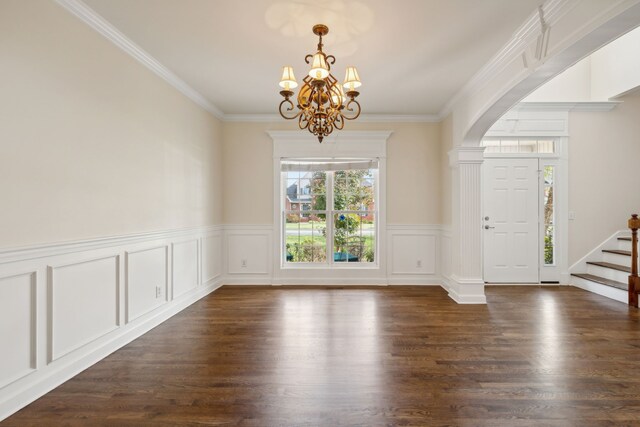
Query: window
[
  {"x": 329, "y": 211},
  {"x": 549, "y": 216},
  {"x": 519, "y": 145}
]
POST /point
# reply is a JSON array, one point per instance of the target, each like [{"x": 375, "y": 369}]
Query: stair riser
[
  {"x": 624, "y": 245},
  {"x": 616, "y": 259},
  {"x": 608, "y": 273},
  {"x": 607, "y": 291}
]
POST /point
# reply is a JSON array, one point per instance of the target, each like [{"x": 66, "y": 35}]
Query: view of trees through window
[
  {"x": 549, "y": 223},
  {"x": 329, "y": 216}
]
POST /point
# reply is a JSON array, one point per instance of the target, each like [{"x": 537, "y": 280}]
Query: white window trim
[{"x": 341, "y": 144}]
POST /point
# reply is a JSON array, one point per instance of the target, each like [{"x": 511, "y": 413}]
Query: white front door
[{"x": 511, "y": 220}]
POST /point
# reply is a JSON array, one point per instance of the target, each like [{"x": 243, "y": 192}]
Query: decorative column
[{"x": 466, "y": 284}]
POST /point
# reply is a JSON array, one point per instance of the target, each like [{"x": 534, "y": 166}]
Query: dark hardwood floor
[{"x": 264, "y": 356}]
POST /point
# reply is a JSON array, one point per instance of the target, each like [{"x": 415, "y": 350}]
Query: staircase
[{"x": 608, "y": 270}]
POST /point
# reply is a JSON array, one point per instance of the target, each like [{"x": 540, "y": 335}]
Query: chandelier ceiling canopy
[{"x": 322, "y": 104}]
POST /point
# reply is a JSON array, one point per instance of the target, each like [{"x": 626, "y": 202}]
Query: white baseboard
[
  {"x": 46, "y": 380},
  {"x": 151, "y": 277},
  {"x": 73, "y": 303},
  {"x": 465, "y": 291}
]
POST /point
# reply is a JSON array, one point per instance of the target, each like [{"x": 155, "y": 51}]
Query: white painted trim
[
  {"x": 414, "y": 227},
  {"x": 465, "y": 291},
  {"x": 247, "y": 227},
  {"x": 603, "y": 290},
  {"x": 50, "y": 368},
  {"x": 466, "y": 155},
  {"x": 367, "y": 144},
  {"x": 344, "y": 143},
  {"x": 33, "y": 388},
  {"x": 553, "y": 11},
  {"x": 10, "y": 255},
  {"x": 545, "y": 120},
  {"x": 364, "y": 118},
  {"x": 94, "y": 20},
  {"x": 111, "y": 33},
  {"x": 591, "y": 106},
  {"x": 580, "y": 266}
]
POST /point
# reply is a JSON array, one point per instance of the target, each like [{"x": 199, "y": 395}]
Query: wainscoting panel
[
  {"x": 83, "y": 303},
  {"x": 17, "y": 326},
  {"x": 211, "y": 257},
  {"x": 64, "y": 307},
  {"x": 249, "y": 252},
  {"x": 146, "y": 280},
  {"x": 414, "y": 254},
  {"x": 185, "y": 267}
]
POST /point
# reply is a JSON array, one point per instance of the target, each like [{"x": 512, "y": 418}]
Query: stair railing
[{"x": 634, "y": 280}]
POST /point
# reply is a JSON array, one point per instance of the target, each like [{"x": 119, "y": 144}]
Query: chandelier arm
[
  {"x": 350, "y": 109},
  {"x": 303, "y": 120},
  {"x": 321, "y": 106},
  {"x": 289, "y": 107},
  {"x": 328, "y": 129}
]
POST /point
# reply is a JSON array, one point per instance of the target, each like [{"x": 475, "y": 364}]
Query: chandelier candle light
[{"x": 322, "y": 105}]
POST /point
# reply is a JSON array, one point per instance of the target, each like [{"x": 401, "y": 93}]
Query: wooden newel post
[{"x": 634, "y": 280}]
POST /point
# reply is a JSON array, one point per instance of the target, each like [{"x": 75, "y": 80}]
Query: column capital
[{"x": 465, "y": 155}]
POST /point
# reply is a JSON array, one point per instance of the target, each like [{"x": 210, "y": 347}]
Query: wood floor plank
[{"x": 370, "y": 356}]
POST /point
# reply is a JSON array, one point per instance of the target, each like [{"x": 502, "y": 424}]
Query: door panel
[{"x": 511, "y": 230}]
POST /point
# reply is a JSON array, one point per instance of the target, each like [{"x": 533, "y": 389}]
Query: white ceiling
[{"x": 412, "y": 55}]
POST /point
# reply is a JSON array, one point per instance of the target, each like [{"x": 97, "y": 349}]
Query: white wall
[
  {"x": 413, "y": 171},
  {"x": 446, "y": 144},
  {"x": 604, "y": 149},
  {"x": 572, "y": 85},
  {"x": 609, "y": 72},
  {"x": 615, "y": 68},
  {"x": 92, "y": 143},
  {"x": 413, "y": 207}
]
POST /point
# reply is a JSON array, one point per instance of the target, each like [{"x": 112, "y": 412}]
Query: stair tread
[
  {"x": 611, "y": 266},
  {"x": 602, "y": 280},
  {"x": 617, "y": 251},
  {"x": 626, "y": 239}
]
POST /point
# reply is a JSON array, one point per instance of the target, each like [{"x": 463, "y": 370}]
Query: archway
[{"x": 562, "y": 33}]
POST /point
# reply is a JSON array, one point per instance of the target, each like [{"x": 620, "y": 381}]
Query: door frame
[{"x": 559, "y": 271}]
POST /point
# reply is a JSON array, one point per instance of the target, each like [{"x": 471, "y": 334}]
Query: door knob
[{"x": 486, "y": 227}]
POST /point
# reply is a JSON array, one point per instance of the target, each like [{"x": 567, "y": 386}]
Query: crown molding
[
  {"x": 111, "y": 33},
  {"x": 567, "y": 106},
  {"x": 364, "y": 118},
  {"x": 400, "y": 118},
  {"x": 90, "y": 17},
  {"x": 552, "y": 10}
]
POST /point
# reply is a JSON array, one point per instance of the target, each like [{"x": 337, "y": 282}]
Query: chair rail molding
[{"x": 71, "y": 304}]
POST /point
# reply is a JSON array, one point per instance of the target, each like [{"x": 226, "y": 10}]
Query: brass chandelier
[{"x": 321, "y": 103}]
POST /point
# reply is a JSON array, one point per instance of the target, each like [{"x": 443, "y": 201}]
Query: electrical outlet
[
  {"x": 158, "y": 291},
  {"x": 419, "y": 263},
  {"x": 243, "y": 263}
]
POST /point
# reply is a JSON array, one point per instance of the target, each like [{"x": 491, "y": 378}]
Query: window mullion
[{"x": 329, "y": 217}]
